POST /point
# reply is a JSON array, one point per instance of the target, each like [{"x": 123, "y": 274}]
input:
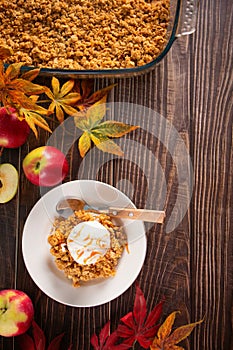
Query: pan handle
[{"x": 187, "y": 18}]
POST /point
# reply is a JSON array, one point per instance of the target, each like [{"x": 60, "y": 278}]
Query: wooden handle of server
[{"x": 138, "y": 214}]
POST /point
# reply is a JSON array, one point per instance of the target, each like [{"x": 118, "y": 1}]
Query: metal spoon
[{"x": 66, "y": 207}]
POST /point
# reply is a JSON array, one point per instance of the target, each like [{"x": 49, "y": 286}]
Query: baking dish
[{"x": 182, "y": 22}]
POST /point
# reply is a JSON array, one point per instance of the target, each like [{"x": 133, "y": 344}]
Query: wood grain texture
[
  {"x": 191, "y": 90},
  {"x": 212, "y": 214}
]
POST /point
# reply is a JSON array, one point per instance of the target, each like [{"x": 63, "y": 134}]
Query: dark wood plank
[{"x": 212, "y": 214}]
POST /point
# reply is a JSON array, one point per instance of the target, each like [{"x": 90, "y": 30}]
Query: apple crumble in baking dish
[
  {"x": 84, "y": 34},
  {"x": 86, "y": 246}
]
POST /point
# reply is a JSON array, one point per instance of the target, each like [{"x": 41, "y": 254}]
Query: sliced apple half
[{"x": 9, "y": 180}]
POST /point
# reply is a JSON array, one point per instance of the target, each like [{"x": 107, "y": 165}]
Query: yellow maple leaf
[
  {"x": 62, "y": 98},
  {"x": 165, "y": 340}
]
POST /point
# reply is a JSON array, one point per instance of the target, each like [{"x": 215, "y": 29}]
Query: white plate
[{"x": 40, "y": 263}]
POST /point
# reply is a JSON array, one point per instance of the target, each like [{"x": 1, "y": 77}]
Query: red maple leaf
[
  {"x": 38, "y": 341},
  {"x": 107, "y": 341},
  {"x": 136, "y": 326}
]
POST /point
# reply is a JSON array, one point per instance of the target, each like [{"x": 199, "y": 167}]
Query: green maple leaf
[{"x": 100, "y": 133}]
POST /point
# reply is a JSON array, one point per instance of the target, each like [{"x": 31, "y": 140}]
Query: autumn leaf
[
  {"x": 107, "y": 341},
  {"x": 38, "y": 340},
  {"x": 87, "y": 99},
  {"x": 92, "y": 115},
  {"x": 105, "y": 144},
  {"x": 16, "y": 90},
  {"x": 5, "y": 52},
  {"x": 165, "y": 340},
  {"x": 114, "y": 129},
  {"x": 85, "y": 88},
  {"x": 39, "y": 337},
  {"x": 30, "y": 74},
  {"x": 84, "y": 143},
  {"x": 62, "y": 98},
  {"x": 100, "y": 133},
  {"x": 33, "y": 119},
  {"x": 136, "y": 326},
  {"x": 55, "y": 343},
  {"x": 26, "y": 342}
]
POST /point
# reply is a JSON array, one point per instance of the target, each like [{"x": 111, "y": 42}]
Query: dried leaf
[
  {"x": 96, "y": 112},
  {"x": 88, "y": 100},
  {"x": 166, "y": 327},
  {"x": 18, "y": 98},
  {"x": 33, "y": 119},
  {"x": 39, "y": 337},
  {"x": 13, "y": 71},
  {"x": 62, "y": 98},
  {"x": 165, "y": 340},
  {"x": 182, "y": 332},
  {"x": 15, "y": 90},
  {"x": 88, "y": 120},
  {"x": 84, "y": 144},
  {"x": 106, "y": 340},
  {"x": 55, "y": 343},
  {"x": 98, "y": 95},
  {"x": 105, "y": 144},
  {"x": 82, "y": 122},
  {"x": 115, "y": 129},
  {"x": 31, "y": 74},
  {"x": 28, "y": 87},
  {"x": 86, "y": 86},
  {"x": 139, "y": 309},
  {"x": 26, "y": 342},
  {"x": 5, "y": 52},
  {"x": 135, "y": 326},
  {"x": 38, "y": 342}
]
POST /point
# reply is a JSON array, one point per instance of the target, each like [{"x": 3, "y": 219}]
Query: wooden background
[{"x": 192, "y": 265}]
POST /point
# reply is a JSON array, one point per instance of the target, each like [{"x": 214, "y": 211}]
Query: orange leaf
[
  {"x": 87, "y": 101},
  {"x": 31, "y": 74},
  {"x": 5, "y": 52},
  {"x": 166, "y": 327},
  {"x": 165, "y": 340},
  {"x": 19, "y": 98},
  {"x": 13, "y": 71},
  {"x": 98, "y": 95},
  {"x": 182, "y": 332},
  {"x": 28, "y": 87}
]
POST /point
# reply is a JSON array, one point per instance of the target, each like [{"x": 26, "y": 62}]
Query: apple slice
[{"x": 9, "y": 180}]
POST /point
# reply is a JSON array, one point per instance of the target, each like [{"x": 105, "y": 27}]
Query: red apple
[
  {"x": 13, "y": 132},
  {"x": 16, "y": 312},
  {"x": 45, "y": 166}
]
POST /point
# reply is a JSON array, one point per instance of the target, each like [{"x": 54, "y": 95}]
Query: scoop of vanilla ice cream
[{"x": 88, "y": 241}]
